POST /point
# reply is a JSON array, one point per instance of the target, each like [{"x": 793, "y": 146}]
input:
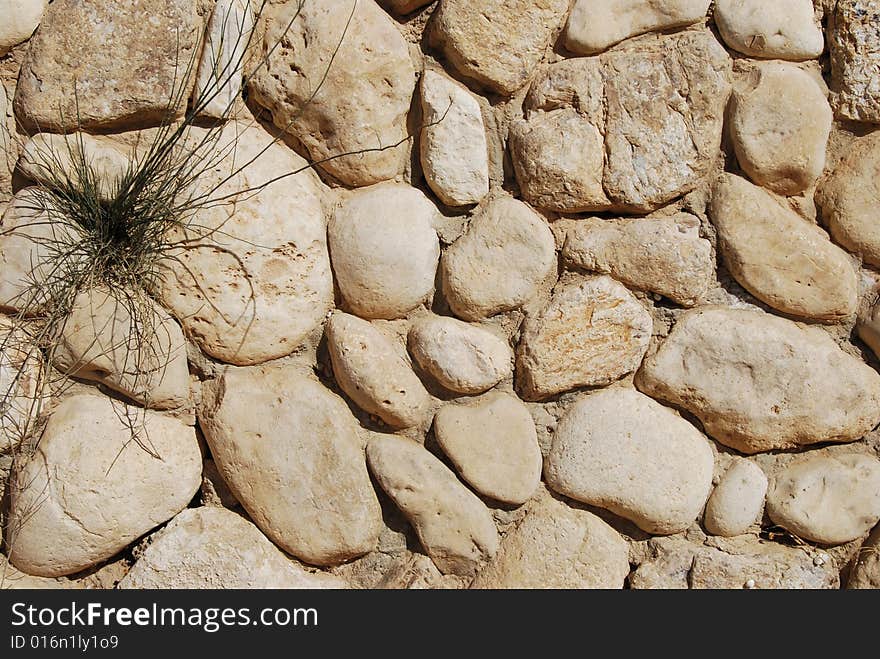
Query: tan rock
[
  {"x": 453, "y": 525},
  {"x": 498, "y": 43},
  {"x": 868, "y": 328},
  {"x": 290, "y": 452},
  {"x": 830, "y": 499},
  {"x": 127, "y": 74},
  {"x": 784, "y": 385},
  {"x": 779, "y": 257},
  {"x": 855, "y": 58},
  {"x": 12, "y": 579},
  {"x": 103, "y": 475},
  {"x": 737, "y": 501},
  {"x": 20, "y": 19},
  {"x": 384, "y": 250},
  {"x": 20, "y": 384},
  {"x": 369, "y": 83},
  {"x": 866, "y": 571},
  {"x": 498, "y": 264},
  {"x": 407, "y": 6},
  {"x": 493, "y": 445},
  {"x": 557, "y": 546},
  {"x": 662, "y": 255},
  {"x": 372, "y": 370},
  {"x": 784, "y": 29},
  {"x": 591, "y": 332},
  {"x": 217, "y": 548}
]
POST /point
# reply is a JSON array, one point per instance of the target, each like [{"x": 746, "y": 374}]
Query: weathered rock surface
[
  {"x": 384, "y": 250},
  {"x": 407, "y": 6},
  {"x": 620, "y": 450},
  {"x": 663, "y": 255},
  {"x": 127, "y": 74},
  {"x": 830, "y": 499},
  {"x": 372, "y": 370},
  {"x": 866, "y": 571},
  {"x": 103, "y": 475},
  {"x": 784, "y": 29},
  {"x": 868, "y": 328},
  {"x": 216, "y": 548},
  {"x": 784, "y": 385},
  {"x": 855, "y": 60},
  {"x": 19, "y": 385},
  {"x": 289, "y": 450},
  {"x": 363, "y": 102},
  {"x": 498, "y": 43},
  {"x": 493, "y": 445},
  {"x": 557, "y": 546},
  {"x": 779, "y": 257},
  {"x": 591, "y": 332},
  {"x": 737, "y": 501},
  {"x": 20, "y": 19},
  {"x": 499, "y": 263},
  {"x": 453, "y": 525}
]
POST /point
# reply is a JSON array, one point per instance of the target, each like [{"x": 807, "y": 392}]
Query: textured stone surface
[
  {"x": 363, "y": 101},
  {"x": 493, "y": 445},
  {"x": 20, "y": 19},
  {"x": 103, "y": 475},
  {"x": 499, "y": 263},
  {"x": 384, "y": 250},
  {"x": 855, "y": 59},
  {"x": 830, "y": 499},
  {"x": 663, "y": 255},
  {"x": 125, "y": 74},
  {"x": 784, "y": 385},
  {"x": 591, "y": 332},
  {"x": 407, "y": 6},
  {"x": 782, "y": 29},
  {"x": 19, "y": 384},
  {"x": 780, "y": 258},
  {"x": 290, "y": 452},
  {"x": 738, "y": 500},
  {"x": 453, "y": 525},
  {"x": 868, "y": 328},
  {"x": 866, "y": 571}
]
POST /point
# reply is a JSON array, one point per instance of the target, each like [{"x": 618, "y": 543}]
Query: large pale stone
[
  {"x": 779, "y": 257},
  {"x": 829, "y": 499},
  {"x": 129, "y": 71},
  {"x": 493, "y": 445},
  {"x": 663, "y": 255},
  {"x": 253, "y": 279},
  {"x": 738, "y": 500},
  {"x": 595, "y": 25},
  {"x": 498, "y": 264},
  {"x": 758, "y": 382},
  {"x": 779, "y": 124},
  {"x": 557, "y": 546},
  {"x": 217, "y": 548},
  {"x": 372, "y": 370},
  {"x": 855, "y": 59},
  {"x": 337, "y": 102},
  {"x": 289, "y": 450},
  {"x": 850, "y": 196},
  {"x": 384, "y": 250},
  {"x": 498, "y": 43},
  {"x": 103, "y": 475},
  {"x": 866, "y": 571},
  {"x": 620, "y": 450},
  {"x": 453, "y": 525},
  {"x": 20, "y": 19},
  {"x": 591, "y": 332},
  {"x": 20, "y": 384},
  {"x": 461, "y": 357},
  {"x": 782, "y": 29}
]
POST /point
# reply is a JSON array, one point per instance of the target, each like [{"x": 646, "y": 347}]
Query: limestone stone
[
  {"x": 104, "y": 474},
  {"x": 779, "y": 124},
  {"x": 779, "y": 257},
  {"x": 784, "y": 29},
  {"x": 830, "y": 499},
  {"x": 462, "y": 357},
  {"x": 20, "y": 384},
  {"x": 213, "y": 547},
  {"x": 253, "y": 278},
  {"x": 590, "y": 333},
  {"x": 558, "y": 546},
  {"x": 663, "y": 255},
  {"x": 453, "y": 525},
  {"x": 498, "y": 43},
  {"x": 498, "y": 264},
  {"x": 20, "y": 19},
  {"x": 738, "y": 500},
  {"x": 129, "y": 73},
  {"x": 594, "y": 26},
  {"x": 290, "y": 452},
  {"x": 855, "y": 60},
  {"x": 866, "y": 571},
  {"x": 372, "y": 370},
  {"x": 849, "y": 198},
  {"x": 868, "y": 328},
  {"x": 784, "y": 385},
  {"x": 362, "y": 103},
  {"x": 493, "y": 445},
  {"x": 454, "y": 153},
  {"x": 620, "y": 450},
  {"x": 384, "y": 250}
]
